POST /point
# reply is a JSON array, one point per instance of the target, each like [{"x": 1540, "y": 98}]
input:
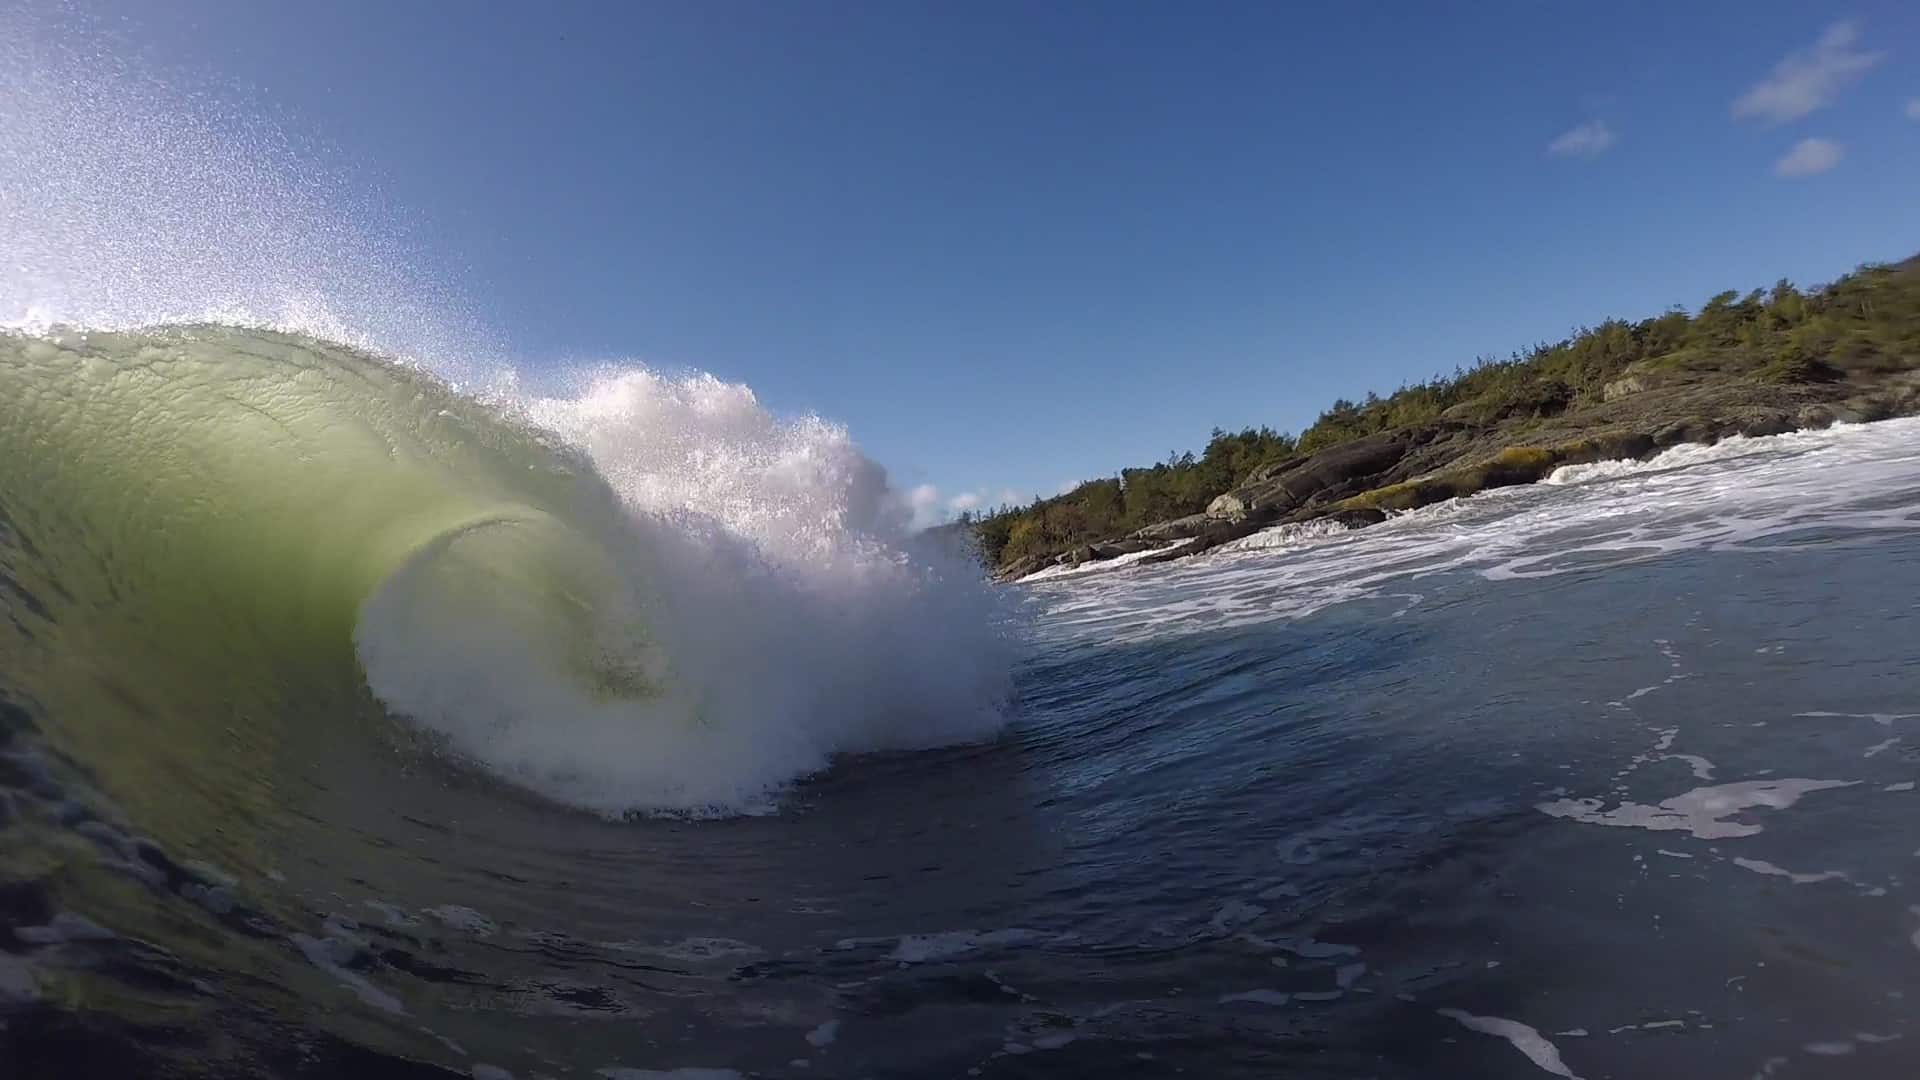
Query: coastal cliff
[{"x": 1760, "y": 364}]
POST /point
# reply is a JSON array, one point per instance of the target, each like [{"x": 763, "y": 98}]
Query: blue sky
[{"x": 1014, "y": 245}]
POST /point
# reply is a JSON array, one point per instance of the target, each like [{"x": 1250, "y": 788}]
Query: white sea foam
[
  {"x": 1702, "y": 811},
  {"x": 330, "y": 954},
  {"x": 1741, "y": 494},
  {"x": 463, "y": 918},
  {"x": 1537, "y": 1047},
  {"x": 1883, "y": 719},
  {"x": 1761, "y": 866},
  {"x": 1702, "y": 768},
  {"x": 1677, "y": 457},
  {"x": 763, "y": 606},
  {"x": 1100, "y": 566},
  {"x": 1284, "y": 537}
]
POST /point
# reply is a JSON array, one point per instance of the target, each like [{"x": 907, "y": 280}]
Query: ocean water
[
  {"x": 1608, "y": 776},
  {"x": 373, "y": 703}
]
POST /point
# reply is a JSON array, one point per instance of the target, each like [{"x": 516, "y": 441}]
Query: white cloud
[
  {"x": 927, "y": 506},
  {"x": 1808, "y": 79},
  {"x": 1590, "y": 139},
  {"x": 1913, "y": 109},
  {"x": 924, "y": 502},
  {"x": 1810, "y": 156}
]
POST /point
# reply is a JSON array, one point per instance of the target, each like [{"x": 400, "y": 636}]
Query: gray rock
[
  {"x": 1177, "y": 529},
  {"x": 1330, "y": 473},
  {"x": 1358, "y": 518},
  {"x": 1766, "y": 423},
  {"x": 1619, "y": 388},
  {"x": 1026, "y": 564},
  {"x": 1113, "y": 549},
  {"x": 1228, "y": 505},
  {"x": 1275, "y": 468},
  {"x": 1692, "y": 430},
  {"x": 1220, "y": 532},
  {"x": 1821, "y": 416}
]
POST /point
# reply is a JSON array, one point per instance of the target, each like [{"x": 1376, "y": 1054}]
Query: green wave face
[
  {"x": 193, "y": 521},
  {"x": 231, "y": 558}
]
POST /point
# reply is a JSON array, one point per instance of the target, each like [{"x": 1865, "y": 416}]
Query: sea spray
[{"x": 643, "y": 592}]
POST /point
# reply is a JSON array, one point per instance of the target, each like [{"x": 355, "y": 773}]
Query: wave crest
[{"x": 650, "y": 596}]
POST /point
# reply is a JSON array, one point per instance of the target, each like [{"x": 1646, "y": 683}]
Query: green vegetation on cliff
[
  {"x": 1864, "y": 325},
  {"x": 1181, "y": 485}
]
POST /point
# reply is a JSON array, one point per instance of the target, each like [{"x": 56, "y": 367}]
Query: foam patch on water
[
  {"x": 1099, "y": 566},
  {"x": 1538, "y": 1048},
  {"x": 1702, "y": 768},
  {"x": 1284, "y": 537},
  {"x": 1702, "y": 812},
  {"x": 1883, "y": 719},
  {"x": 459, "y": 917},
  {"x": 331, "y": 954},
  {"x": 1761, "y": 866},
  {"x": 1678, "y": 457},
  {"x": 923, "y": 948}
]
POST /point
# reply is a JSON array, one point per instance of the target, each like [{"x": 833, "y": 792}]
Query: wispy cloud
[
  {"x": 1590, "y": 139},
  {"x": 1808, "y": 79},
  {"x": 1913, "y": 109},
  {"x": 1810, "y": 157},
  {"x": 926, "y": 505}
]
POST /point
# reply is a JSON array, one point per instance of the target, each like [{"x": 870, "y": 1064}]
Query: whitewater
[
  {"x": 215, "y": 344},
  {"x": 376, "y": 701}
]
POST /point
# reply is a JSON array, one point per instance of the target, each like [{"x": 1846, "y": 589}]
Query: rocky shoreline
[{"x": 1359, "y": 483}]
